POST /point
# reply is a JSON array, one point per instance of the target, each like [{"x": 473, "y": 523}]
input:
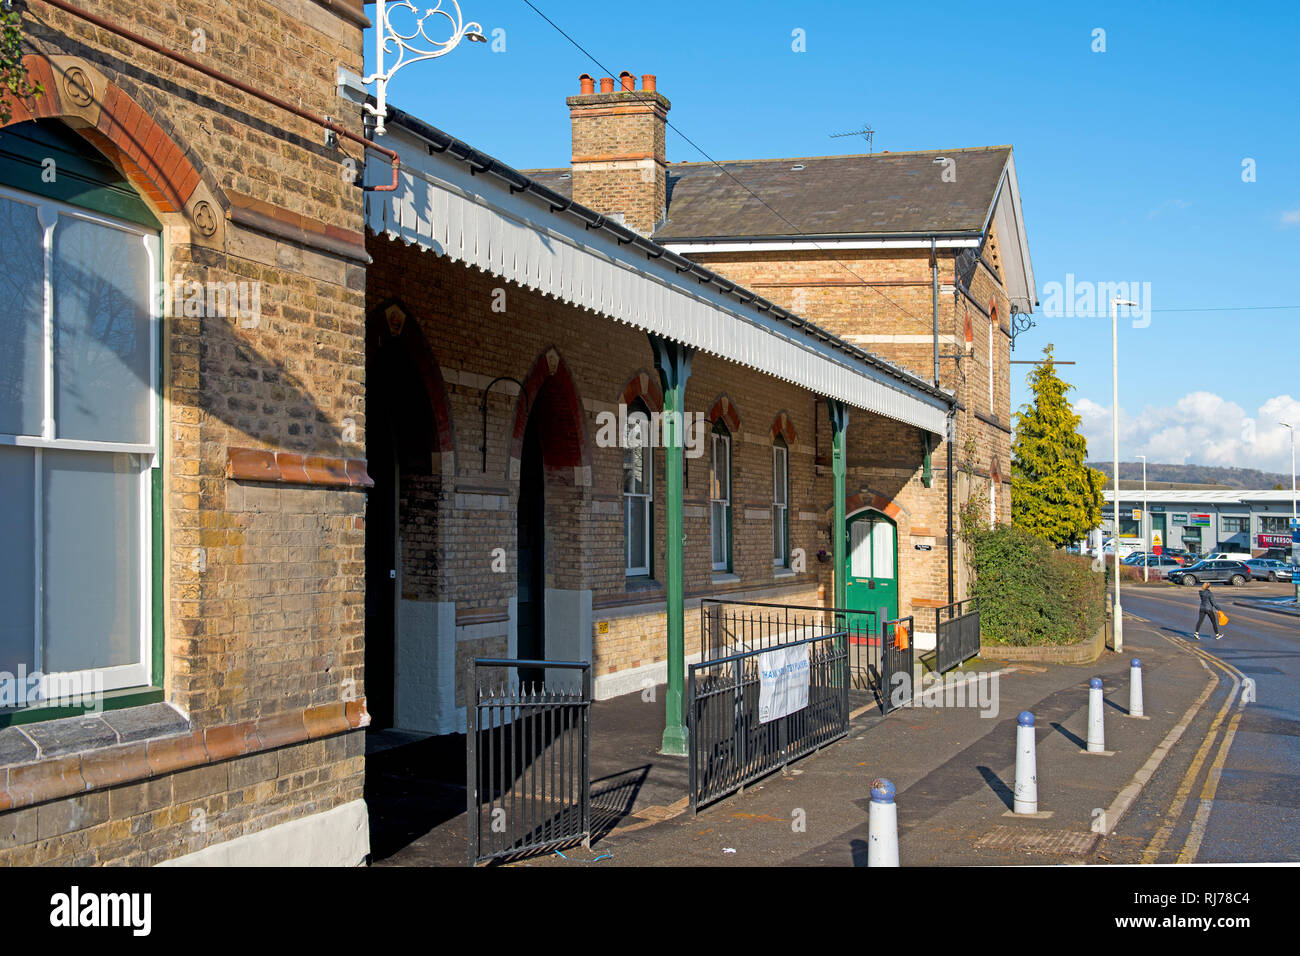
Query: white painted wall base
[
  {"x": 337, "y": 837},
  {"x": 568, "y": 634},
  {"x": 634, "y": 679},
  {"x": 425, "y": 665}
]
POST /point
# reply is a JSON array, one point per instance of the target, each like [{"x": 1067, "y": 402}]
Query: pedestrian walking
[{"x": 1210, "y": 609}]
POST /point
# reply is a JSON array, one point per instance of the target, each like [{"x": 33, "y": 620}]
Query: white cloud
[
  {"x": 1291, "y": 217},
  {"x": 1201, "y": 428}
]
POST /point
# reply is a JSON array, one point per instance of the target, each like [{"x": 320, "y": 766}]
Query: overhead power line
[{"x": 700, "y": 149}]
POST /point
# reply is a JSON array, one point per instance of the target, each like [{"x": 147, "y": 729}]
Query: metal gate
[
  {"x": 730, "y": 627},
  {"x": 957, "y": 634},
  {"x": 897, "y": 664},
  {"x": 527, "y": 765},
  {"x": 730, "y": 745}
]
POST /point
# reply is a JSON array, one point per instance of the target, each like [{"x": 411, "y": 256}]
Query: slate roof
[{"x": 883, "y": 194}]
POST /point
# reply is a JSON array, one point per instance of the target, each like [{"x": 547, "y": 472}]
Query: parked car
[
  {"x": 1181, "y": 555},
  {"x": 1228, "y": 556},
  {"x": 1267, "y": 568},
  {"x": 1135, "y": 558},
  {"x": 1233, "y": 572},
  {"x": 1160, "y": 564}
]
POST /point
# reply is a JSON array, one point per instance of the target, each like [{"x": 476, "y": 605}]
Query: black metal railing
[
  {"x": 527, "y": 766},
  {"x": 732, "y": 627},
  {"x": 897, "y": 664},
  {"x": 732, "y": 743},
  {"x": 956, "y": 634}
]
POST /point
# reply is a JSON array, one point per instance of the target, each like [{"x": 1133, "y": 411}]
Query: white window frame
[
  {"x": 780, "y": 509},
  {"x": 721, "y": 498},
  {"x": 49, "y": 213},
  {"x": 641, "y": 500}
]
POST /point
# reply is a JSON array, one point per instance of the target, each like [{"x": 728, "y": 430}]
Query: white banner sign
[{"x": 782, "y": 682}]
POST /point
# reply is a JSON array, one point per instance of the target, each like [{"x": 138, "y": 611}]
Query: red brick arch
[
  {"x": 76, "y": 92},
  {"x": 867, "y": 500},
  {"x": 723, "y": 407},
  {"x": 549, "y": 390},
  {"x": 782, "y": 426},
  {"x": 407, "y": 335},
  {"x": 645, "y": 386}
]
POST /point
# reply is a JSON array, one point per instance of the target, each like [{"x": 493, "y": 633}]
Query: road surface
[{"x": 1230, "y": 790}]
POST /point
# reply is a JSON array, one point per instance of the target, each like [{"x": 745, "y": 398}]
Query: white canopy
[{"x": 442, "y": 206}]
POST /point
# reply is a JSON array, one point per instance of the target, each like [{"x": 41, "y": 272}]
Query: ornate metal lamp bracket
[
  {"x": 1020, "y": 322},
  {"x": 413, "y": 45}
]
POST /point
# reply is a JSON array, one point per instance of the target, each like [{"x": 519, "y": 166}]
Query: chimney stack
[{"x": 620, "y": 163}]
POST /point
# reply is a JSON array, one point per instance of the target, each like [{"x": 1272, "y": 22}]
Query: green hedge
[{"x": 1030, "y": 593}]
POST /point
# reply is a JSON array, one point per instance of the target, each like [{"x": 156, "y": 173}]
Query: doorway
[
  {"x": 402, "y": 518},
  {"x": 871, "y": 575}
]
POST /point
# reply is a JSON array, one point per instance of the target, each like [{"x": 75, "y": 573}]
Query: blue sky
[{"x": 1130, "y": 160}]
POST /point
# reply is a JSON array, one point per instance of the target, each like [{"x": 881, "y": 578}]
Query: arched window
[
  {"x": 780, "y": 503},
  {"x": 720, "y": 496},
  {"x": 78, "y": 416},
  {"x": 638, "y": 490},
  {"x": 993, "y": 358}
]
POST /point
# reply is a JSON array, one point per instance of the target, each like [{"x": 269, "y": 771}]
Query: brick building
[
  {"x": 282, "y": 450},
  {"x": 200, "y": 334},
  {"x": 919, "y": 257},
  {"x": 512, "y": 325}
]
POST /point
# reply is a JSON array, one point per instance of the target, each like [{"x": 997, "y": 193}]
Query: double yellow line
[{"x": 1211, "y": 786}]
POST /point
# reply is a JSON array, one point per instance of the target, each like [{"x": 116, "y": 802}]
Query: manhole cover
[{"x": 1028, "y": 840}]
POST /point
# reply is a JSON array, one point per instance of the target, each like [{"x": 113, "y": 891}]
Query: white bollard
[
  {"x": 1096, "y": 719},
  {"x": 1026, "y": 765},
  {"x": 1135, "y": 688},
  {"x": 882, "y": 825}
]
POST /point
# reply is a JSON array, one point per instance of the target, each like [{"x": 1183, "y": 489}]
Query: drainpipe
[
  {"x": 237, "y": 84},
  {"x": 951, "y": 581},
  {"x": 934, "y": 304}
]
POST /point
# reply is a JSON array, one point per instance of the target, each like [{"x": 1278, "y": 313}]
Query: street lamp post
[
  {"x": 1118, "y": 611},
  {"x": 1146, "y": 538},
  {"x": 1295, "y": 578}
]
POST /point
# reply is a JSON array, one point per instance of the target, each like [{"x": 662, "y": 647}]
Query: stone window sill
[
  {"x": 782, "y": 573},
  {"x": 641, "y": 584},
  {"x": 721, "y": 577},
  {"x": 64, "y": 736}
]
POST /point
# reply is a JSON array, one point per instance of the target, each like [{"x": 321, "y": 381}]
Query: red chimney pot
[
  {"x": 627, "y": 80},
  {"x": 586, "y": 84},
  {"x": 607, "y": 84},
  {"x": 648, "y": 82}
]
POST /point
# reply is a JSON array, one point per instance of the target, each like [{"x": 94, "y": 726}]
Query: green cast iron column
[
  {"x": 839, "y": 413},
  {"x": 673, "y": 363}
]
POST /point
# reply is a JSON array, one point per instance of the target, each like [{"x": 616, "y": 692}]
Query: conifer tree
[{"x": 1054, "y": 494}]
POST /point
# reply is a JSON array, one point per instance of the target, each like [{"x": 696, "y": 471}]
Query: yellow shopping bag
[{"x": 1223, "y": 619}]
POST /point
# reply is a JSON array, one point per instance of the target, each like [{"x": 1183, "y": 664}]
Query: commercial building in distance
[{"x": 1203, "y": 522}]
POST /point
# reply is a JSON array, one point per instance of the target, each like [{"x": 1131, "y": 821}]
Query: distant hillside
[{"x": 1196, "y": 476}]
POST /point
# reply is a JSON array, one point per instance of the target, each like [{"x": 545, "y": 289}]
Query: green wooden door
[{"x": 871, "y": 574}]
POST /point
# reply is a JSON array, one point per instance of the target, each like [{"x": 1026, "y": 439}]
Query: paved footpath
[{"x": 954, "y": 770}]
